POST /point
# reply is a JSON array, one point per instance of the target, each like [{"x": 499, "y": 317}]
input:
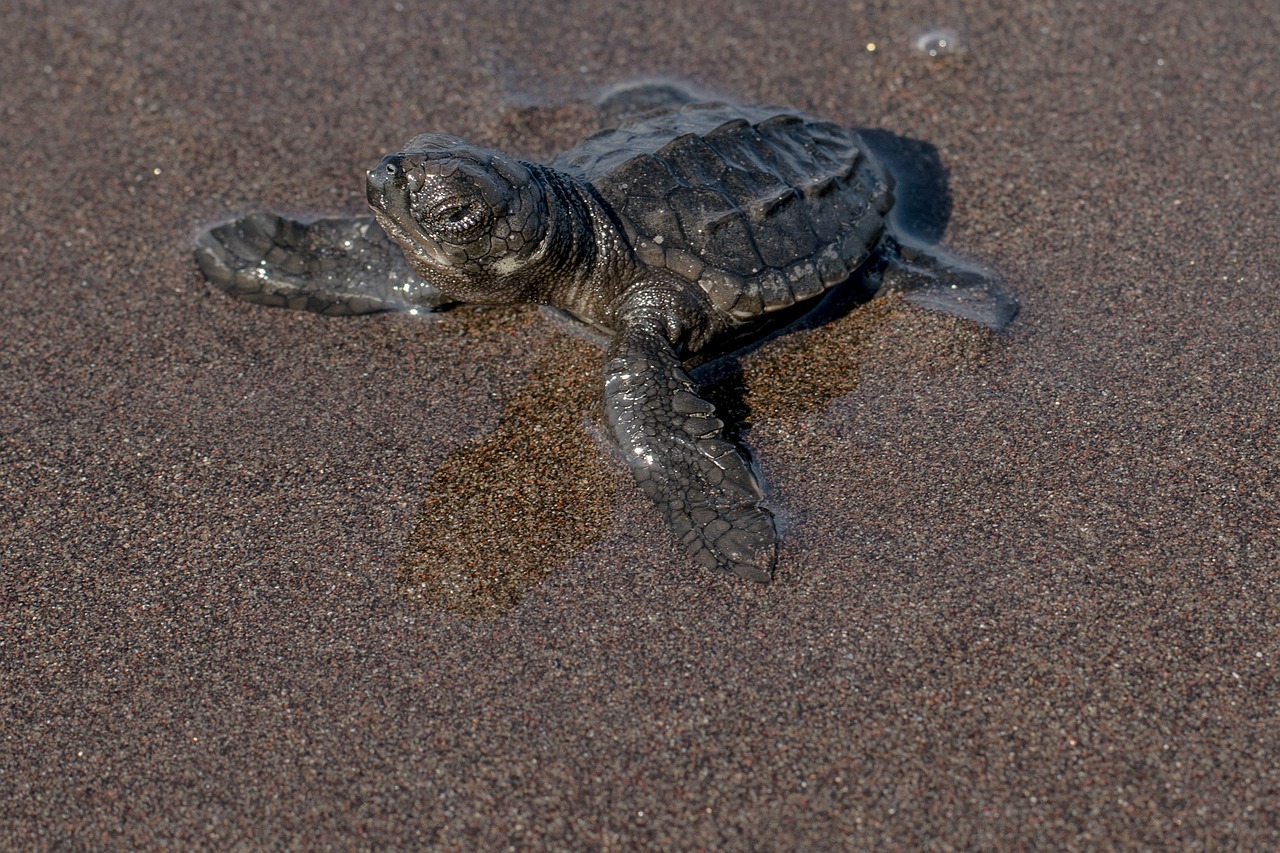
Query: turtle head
[{"x": 469, "y": 220}]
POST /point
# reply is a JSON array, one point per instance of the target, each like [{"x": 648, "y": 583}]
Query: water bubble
[{"x": 940, "y": 41}]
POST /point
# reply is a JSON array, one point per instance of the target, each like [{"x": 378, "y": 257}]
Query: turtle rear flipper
[
  {"x": 674, "y": 446},
  {"x": 934, "y": 279},
  {"x": 328, "y": 266},
  {"x": 625, "y": 101}
]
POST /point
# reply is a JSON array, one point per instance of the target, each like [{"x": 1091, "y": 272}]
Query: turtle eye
[{"x": 457, "y": 215}]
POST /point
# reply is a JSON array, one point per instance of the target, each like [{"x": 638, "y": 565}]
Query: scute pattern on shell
[{"x": 760, "y": 209}]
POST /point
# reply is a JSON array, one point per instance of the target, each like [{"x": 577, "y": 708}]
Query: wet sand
[{"x": 1028, "y": 593}]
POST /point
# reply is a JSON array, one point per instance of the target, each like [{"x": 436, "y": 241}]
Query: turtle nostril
[{"x": 387, "y": 172}]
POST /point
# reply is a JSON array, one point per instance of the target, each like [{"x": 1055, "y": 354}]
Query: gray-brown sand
[{"x": 1028, "y": 592}]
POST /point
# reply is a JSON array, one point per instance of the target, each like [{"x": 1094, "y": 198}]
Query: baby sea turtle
[{"x": 680, "y": 233}]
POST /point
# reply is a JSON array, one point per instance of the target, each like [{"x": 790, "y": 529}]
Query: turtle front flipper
[
  {"x": 937, "y": 280},
  {"x": 328, "y": 266},
  {"x": 674, "y": 446}
]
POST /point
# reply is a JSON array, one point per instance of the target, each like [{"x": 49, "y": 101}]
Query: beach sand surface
[{"x": 270, "y": 580}]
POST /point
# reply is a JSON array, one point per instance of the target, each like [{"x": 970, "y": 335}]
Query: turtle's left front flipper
[
  {"x": 328, "y": 266},
  {"x": 674, "y": 446}
]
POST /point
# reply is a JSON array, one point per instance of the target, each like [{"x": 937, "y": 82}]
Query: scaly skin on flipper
[
  {"x": 675, "y": 449},
  {"x": 329, "y": 266}
]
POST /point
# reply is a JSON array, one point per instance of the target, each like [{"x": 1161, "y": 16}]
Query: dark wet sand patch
[{"x": 514, "y": 505}]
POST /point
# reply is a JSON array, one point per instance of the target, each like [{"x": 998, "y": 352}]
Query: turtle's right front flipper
[
  {"x": 674, "y": 446},
  {"x": 329, "y": 266}
]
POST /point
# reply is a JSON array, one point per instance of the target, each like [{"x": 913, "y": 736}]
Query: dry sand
[{"x": 1029, "y": 591}]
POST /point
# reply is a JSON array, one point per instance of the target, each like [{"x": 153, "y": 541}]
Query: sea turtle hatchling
[{"x": 679, "y": 233}]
